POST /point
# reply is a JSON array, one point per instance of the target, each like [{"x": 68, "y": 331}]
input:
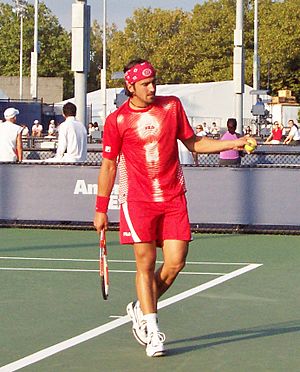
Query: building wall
[
  {"x": 283, "y": 112},
  {"x": 50, "y": 89}
]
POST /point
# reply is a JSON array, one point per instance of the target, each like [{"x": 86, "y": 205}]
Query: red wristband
[{"x": 102, "y": 204}]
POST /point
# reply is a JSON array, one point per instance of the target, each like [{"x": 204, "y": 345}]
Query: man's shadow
[{"x": 238, "y": 335}]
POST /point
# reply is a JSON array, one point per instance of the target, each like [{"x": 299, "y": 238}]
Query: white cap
[
  {"x": 52, "y": 121},
  {"x": 36, "y": 122},
  {"x": 10, "y": 113}
]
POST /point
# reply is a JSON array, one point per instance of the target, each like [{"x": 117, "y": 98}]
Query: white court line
[
  {"x": 118, "y": 261},
  {"x": 45, "y": 353},
  {"x": 95, "y": 271}
]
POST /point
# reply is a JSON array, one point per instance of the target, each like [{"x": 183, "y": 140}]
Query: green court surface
[{"x": 235, "y": 308}]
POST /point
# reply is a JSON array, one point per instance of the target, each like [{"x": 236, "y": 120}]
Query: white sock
[{"x": 152, "y": 324}]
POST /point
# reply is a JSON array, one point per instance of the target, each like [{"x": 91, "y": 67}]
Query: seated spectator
[
  {"x": 91, "y": 128},
  {"x": 214, "y": 130},
  {"x": 248, "y": 131},
  {"x": 96, "y": 126},
  {"x": 52, "y": 128},
  {"x": 205, "y": 128},
  {"x": 293, "y": 137},
  {"x": 276, "y": 134},
  {"x": 37, "y": 129},
  {"x": 200, "y": 132},
  {"x": 230, "y": 157},
  {"x": 25, "y": 131}
]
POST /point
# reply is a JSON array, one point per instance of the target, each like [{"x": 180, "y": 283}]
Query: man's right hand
[{"x": 100, "y": 221}]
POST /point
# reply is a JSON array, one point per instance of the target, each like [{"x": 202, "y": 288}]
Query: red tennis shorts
[{"x": 154, "y": 221}]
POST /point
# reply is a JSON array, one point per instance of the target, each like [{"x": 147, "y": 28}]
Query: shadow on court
[{"x": 238, "y": 335}]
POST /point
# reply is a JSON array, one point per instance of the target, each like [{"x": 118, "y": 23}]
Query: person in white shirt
[
  {"x": 214, "y": 130},
  {"x": 25, "y": 131},
  {"x": 52, "y": 128},
  {"x": 72, "y": 138},
  {"x": 200, "y": 132},
  {"x": 11, "y": 148},
  {"x": 37, "y": 129},
  {"x": 293, "y": 137}
]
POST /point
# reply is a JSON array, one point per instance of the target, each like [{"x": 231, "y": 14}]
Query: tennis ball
[{"x": 250, "y": 145}]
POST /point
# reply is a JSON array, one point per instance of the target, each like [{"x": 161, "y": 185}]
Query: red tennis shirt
[{"x": 146, "y": 142}]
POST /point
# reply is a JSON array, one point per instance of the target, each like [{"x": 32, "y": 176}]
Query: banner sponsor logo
[{"x": 83, "y": 188}]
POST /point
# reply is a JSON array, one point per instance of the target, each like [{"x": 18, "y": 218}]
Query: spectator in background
[
  {"x": 230, "y": 157},
  {"x": 25, "y": 131},
  {"x": 248, "y": 131},
  {"x": 91, "y": 128},
  {"x": 205, "y": 128},
  {"x": 293, "y": 138},
  {"x": 200, "y": 132},
  {"x": 276, "y": 134},
  {"x": 37, "y": 129},
  {"x": 214, "y": 130},
  {"x": 72, "y": 138},
  {"x": 96, "y": 126},
  {"x": 11, "y": 148},
  {"x": 52, "y": 128}
]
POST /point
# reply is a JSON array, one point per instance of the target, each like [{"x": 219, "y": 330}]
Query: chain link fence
[{"x": 269, "y": 157}]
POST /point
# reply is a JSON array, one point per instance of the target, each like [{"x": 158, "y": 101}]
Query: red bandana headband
[{"x": 139, "y": 72}]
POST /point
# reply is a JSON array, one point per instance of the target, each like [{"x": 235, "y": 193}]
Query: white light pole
[
  {"x": 238, "y": 65},
  {"x": 20, "y": 9},
  {"x": 103, "y": 71},
  {"x": 81, "y": 55},
  {"x": 256, "y": 62},
  {"x": 34, "y": 55}
]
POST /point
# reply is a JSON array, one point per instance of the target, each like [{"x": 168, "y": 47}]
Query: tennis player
[{"x": 141, "y": 137}]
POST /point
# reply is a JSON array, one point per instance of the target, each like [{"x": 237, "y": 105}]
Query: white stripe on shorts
[{"x": 134, "y": 235}]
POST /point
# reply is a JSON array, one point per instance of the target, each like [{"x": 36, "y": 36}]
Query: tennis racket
[{"x": 103, "y": 266}]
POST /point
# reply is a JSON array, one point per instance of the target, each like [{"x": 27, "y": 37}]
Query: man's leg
[
  {"x": 145, "y": 256},
  {"x": 174, "y": 252}
]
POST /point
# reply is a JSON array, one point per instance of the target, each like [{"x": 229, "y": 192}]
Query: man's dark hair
[
  {"x": 130, "y": 64},
  {"x": 69, "y": 109}
]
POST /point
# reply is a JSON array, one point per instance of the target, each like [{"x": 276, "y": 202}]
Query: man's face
[
  {"x": 143, "y": 91},
  {"x": 231, "y": 128}
]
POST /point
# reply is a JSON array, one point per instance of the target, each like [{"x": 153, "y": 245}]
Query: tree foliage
[
  {"x": 193, "y": 47},
  {"x": 279, "y": 39},
  {"x": 198, "y": 46},
  {"x": 55, "y": 45},
  {"x": 96, "y": 53}
]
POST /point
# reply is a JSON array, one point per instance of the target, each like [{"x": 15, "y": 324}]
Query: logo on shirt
[
  {"x": 107, "y": 149},
  {"x": 126, "y": 233},
  {"x": 149, "y": 127}
]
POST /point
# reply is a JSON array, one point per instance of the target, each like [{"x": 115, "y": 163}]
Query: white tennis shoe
[
  {"x": 155, "y": 345},
  {"x": 139, "y": 324}
]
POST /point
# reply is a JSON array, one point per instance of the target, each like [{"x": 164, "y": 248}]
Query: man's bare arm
[
  {"x": 206, "y": 145},
  {"x": 19, "y": 147},
  {"x": 106, "y": 180}
]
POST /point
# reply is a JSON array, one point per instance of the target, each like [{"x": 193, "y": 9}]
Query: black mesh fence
[{"x": 257, "y": 158}]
